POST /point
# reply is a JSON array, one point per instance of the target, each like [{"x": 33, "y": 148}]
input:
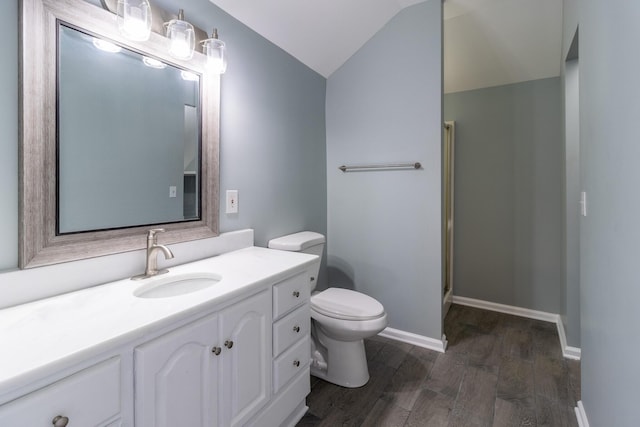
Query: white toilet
[{"x": 341, "y": 319}]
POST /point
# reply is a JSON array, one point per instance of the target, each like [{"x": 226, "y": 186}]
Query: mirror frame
[{"x": 38, "y": 243}]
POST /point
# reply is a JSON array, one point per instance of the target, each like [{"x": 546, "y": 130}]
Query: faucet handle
[{"x": 151, "y": 235}]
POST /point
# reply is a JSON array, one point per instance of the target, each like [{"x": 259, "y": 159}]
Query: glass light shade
[
  {"x": 216, "y": 55},
  {"x": 182, "y": 39},
  {"x": 134, "y": 19}
]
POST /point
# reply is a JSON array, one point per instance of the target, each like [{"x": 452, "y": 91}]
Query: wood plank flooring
[{"x": 499, "y": 370}]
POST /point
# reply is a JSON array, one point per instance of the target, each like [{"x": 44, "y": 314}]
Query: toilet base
[{"x": 346, "y": 362}]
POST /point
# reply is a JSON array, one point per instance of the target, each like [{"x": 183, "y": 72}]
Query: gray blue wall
[
  {"x": 384, "y": 105},
  {"x": 508, "y": 195},
  {"x": 272, "y": 133},
  {"x": 609, "y": 235}
]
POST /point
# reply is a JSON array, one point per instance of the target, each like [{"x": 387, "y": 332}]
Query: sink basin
[{"x": 171, "y": 286}]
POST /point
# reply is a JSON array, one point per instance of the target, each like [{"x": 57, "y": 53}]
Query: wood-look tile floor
[{"x": 499, "y": 370}]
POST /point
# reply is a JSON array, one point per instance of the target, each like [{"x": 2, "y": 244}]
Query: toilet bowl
[{"x": 341, "y": 320}]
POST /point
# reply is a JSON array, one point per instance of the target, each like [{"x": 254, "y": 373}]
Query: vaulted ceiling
[{"x": 486, "y": 42}]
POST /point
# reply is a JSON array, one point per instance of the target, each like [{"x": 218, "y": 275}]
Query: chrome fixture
[
  {"x": 386, "y": 166},
  {"x": 214, "y": 48},
  {"x": 60, "y": 421},
  {"x": 134, "y": 19},
  {"x": 182, "y": 37},
  {"x": 152, "y": 261}
]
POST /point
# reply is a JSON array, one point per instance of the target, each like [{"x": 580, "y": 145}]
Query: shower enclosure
[{"x": 448, "y": 160}]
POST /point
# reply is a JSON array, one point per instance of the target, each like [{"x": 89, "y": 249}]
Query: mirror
[
  {"x": 141, "y": 121},
  {"x": 117, "y": 138}
]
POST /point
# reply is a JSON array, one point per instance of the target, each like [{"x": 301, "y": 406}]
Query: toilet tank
[{"x": 307, "y": 242}]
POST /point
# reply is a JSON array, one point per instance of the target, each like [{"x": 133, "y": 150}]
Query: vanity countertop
[{"x": 42, "y": 337}]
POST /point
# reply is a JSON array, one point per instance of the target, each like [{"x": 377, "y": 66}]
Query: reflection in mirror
[{"x": 128, "y": 137}]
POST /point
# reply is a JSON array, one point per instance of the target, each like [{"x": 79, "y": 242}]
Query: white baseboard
[
  {"x": 415, "y": 339},
  {"x": 567, "y": 351},
  {"x": 508, "y": 309},
  {"x": 581, "y": 415}
]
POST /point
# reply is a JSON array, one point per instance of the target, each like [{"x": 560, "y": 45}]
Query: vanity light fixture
[
  {"x": 214, "y": 48},
  {"x": 106, "y": 46},
  {"x": 182, "y": 37},
  {"x": 134, "y": 19}
]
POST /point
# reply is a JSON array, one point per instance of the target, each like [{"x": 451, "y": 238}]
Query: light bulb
[
  {"x": 182, "y": 37},
  {"x": 215, "y": 51},
  {"x": 134, "y": 19}
]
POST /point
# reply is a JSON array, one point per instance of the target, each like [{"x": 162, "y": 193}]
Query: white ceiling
[
  {"x": 495, "y": 42},
  {"x": 486, "y": 42}
]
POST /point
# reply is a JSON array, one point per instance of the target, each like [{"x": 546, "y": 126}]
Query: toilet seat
[{"x": 346, "y": 304}]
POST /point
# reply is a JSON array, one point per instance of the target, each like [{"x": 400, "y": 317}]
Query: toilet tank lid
[{"x": 297, "y": 242}]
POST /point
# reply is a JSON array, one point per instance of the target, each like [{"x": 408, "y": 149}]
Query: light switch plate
[{"x": 232, "y": 201}]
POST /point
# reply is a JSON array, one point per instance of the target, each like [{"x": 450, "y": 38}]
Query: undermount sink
[{"x": 171, "y": 286}]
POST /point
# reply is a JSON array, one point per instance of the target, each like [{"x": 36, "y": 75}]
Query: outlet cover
[{"x": 232, "y": 201}]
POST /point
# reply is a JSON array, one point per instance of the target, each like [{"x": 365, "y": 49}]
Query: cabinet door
[
  {"x": 245, "y": 330},
  {"x": 175, "y": 377}
]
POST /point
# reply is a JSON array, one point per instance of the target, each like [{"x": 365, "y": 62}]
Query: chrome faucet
[{"x": 152, "y": 257}]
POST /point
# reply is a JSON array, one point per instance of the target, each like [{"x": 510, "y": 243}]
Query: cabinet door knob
[
  {"x": 60, "y": 421},
  {"x": 312, "y": 279},
  {"x": 296, "y": 328},
  {"x": 296, "y": 294},
  {"x": 296, "y": 363},
  {"x": 216, "y": 350},
  {"x": 228, "y": 343}
]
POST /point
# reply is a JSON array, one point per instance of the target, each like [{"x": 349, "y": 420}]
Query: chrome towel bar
[{"x": 386, "y": 166}]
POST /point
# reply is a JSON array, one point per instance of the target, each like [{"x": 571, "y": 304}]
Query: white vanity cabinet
[
  {"x": 91, "y": 397},
  {"x": 176, "y": 380},
  {"x": 232, "y": 355},
  {"x": 214, "y": 371}
]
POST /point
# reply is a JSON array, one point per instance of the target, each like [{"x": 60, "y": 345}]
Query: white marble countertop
[{"x": 42, "y": 337}]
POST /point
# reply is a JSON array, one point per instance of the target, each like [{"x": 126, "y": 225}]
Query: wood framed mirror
[{"x": 98, "y": 171}]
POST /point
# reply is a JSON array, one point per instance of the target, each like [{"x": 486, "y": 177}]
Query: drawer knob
[
  {"x": 228, "y": 343},
  {"x": 216, "y": 350},
  {"x": 296, "y": 363},
  {"x": 296, "y": 294},
  {"x": 312, "y": 279},
  {"x": 60, "y": 421},
  {"x": 296, "y": 328}
]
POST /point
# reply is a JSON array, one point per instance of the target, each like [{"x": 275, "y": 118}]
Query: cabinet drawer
[
  {"x": 290, "y": 293},
  {"x": 290, "y": 329},
  {"x": 88, "y": 398},
  {"x": 290, "y": 363}
]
